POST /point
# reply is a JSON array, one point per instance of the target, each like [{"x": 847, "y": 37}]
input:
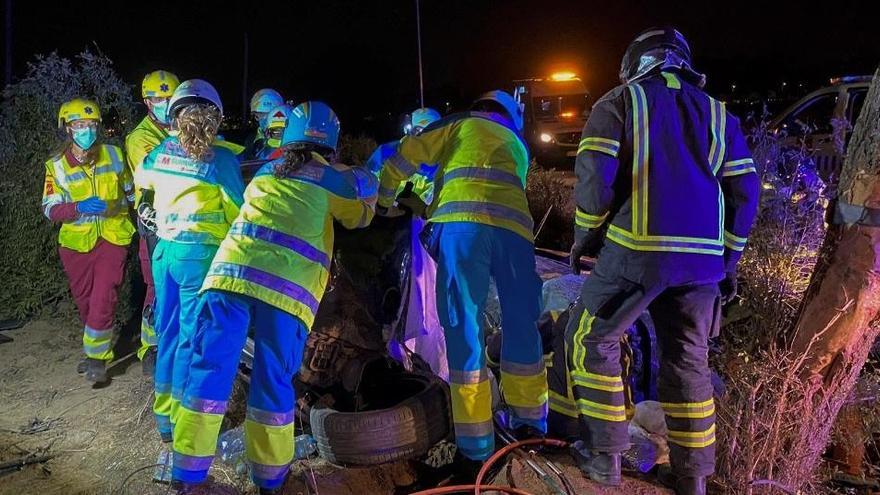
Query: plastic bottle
[{"x": 304, "y": 446}]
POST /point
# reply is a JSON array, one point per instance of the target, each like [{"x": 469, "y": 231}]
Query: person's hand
[
  {"x": 728, "y": 287},
  {"x": 587, "y": 245},
  {"x": 390, "y": 212},
  {"x": 92, "y": 206}
]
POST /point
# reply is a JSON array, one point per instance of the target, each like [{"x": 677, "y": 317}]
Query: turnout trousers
[
  {"x": 683, "y": 318},
  {"x": 279, "y": 339},
  {"x": 178, "y": 272},
  {"x": 468, "y": 254}
]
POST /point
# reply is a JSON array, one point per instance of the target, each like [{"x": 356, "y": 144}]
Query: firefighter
[
  {"x": 156, "y": 90},
  {"x": 480, "y": 227},
  {"x": 664, "y": 176},
  {"x": 262, "y": 102},
  {"x": 88, "y": 190},
  {"x": 272, "y": 270},
  {"x": 196, "y": 188}
]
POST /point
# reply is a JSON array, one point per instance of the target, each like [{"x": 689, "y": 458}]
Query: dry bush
[{"x": 548, "y": 191}]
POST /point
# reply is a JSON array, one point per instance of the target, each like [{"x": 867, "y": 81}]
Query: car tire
[{"x": 405, "y": 430}]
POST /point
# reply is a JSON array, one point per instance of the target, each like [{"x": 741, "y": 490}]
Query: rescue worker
[
  {"x": 88, "y": 191},
  {"x": 480, "y": 227},
  {"x": 271, "y": 269},
  {"x": 156, "y": 90},
  {"x": 262, "y": 102},
  {"x": 196, "y": 189},
  {"x": 665, "y": 177},
  {"x": 272, "y": 127}
]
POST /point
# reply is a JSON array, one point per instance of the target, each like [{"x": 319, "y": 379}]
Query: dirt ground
[{"x": 102, "y": 438}]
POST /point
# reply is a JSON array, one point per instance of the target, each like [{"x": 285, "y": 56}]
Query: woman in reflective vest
[
  {"x": 272, "y": 270},
  {"x": 195, "y": 187},
  {"x": 88, "y": 190}
]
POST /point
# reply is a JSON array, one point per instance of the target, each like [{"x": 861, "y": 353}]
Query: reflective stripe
[
  {"x": 192, "y": 462},
  {"x": 520, "y": 369},
  {"x": 269, "y": 418},
  {"x": 480, "y": 429},
  {"x": 562, "y": 405},
  {"x": 718, "y": 128},
  {"x": 693, "y": 439},
  {"x": 641, "y": 138},
  {"x": 579, "y": 353},
  {"x": 402, "y": 165},
  {"x": 601, "y": 411},
  {"x": 76, "y": 176},
  {"x": 281, "y": 239},
  {"x": 211, "y": 217},
  {"x": 267, "y": 280},
  {"x": 468, "y": 377},
  {"x": 96, "y": 351},
  {"x": 96, "y": 334},
  {"x": 587, "y": 221},
  {"x": 672, "y": 81},
  {"x": 602, "y": 145},
  {"x": 268, "y": 473},
  {"x": 535, "y": 412},
  {"x": 665, "y": 243},
  {"x": 491, "y": 209},
  {"x": 734, "y": 242},
  {"x": 481, "y": 173},
  {"x": 203, "y": 406},
  {"x": 597, "y": 382},
  {"x": 738, "y": 167},
  {"x": 692, "y": 410}
]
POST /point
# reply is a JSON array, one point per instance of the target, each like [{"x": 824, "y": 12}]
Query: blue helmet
[
  {"x": 265, "y": 99},
  {"x": 421, "y": 118},
  {"x": 312, "y": 122},
  {"x": 513, "y": 109}
]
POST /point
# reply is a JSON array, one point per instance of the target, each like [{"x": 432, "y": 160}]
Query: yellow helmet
[
  {"x": 78, "y": 109},
  {"x": 160, "y": 83}
]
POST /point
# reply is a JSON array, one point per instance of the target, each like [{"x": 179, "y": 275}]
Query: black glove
[
  {"x": 728, "y": 287},
  {"x": 588, "y": 245}
]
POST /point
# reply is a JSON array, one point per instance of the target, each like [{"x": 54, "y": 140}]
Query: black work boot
[
  {"x": 82, "y": 366},
  {"x": 148, "y": 363},
  {"x": 96, "y": 370},
  {"x": 684, "y": 485},
  {"x": 601, "y": 467}
]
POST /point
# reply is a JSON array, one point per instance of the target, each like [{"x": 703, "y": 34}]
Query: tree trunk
[{"x": 840, "y": 317}]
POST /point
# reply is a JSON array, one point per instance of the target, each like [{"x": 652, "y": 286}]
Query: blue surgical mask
[
  {"x": 85, "y": 138},
  {"x": 160, "y": 112}
]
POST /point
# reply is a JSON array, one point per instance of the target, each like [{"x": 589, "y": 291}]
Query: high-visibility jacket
[
  {"x": 480, "y": 176},
  {"x": 422, "y": 186},
  {"x": 108, "y": 179},
  {"x": 195, "y": 201},
  {"x": 279, "y": 248},
  {"x": 666, "y": 169},
  {"x": 140, "y": 142}
]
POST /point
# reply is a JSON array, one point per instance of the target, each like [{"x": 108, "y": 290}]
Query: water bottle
[
  {"x": 230, "y": 445},
  {"x": 304, "y": 446}
]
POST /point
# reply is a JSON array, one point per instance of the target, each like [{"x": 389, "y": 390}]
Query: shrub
[
  {"x": 550, "y": 194},
  {"x": 355, "y": 150}
]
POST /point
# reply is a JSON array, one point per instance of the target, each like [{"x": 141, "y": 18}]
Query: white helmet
[{"x": 193, "y": 92}]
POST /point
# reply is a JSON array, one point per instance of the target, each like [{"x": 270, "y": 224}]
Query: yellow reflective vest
[
  {"x": 480, "y": 176},
  {"x": 195, "y": 201},
  {"x": 279, "y": 248},
  {"x": 108, "y": 179},
  {"x": 140, "y": 142}
]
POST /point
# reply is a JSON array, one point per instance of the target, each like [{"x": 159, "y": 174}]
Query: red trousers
[{"x": 94, "y": 278}]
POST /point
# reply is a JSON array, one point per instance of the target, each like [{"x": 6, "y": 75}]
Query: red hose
[
  {"x": 467, "y": 488},
  {"x": 501, "y": 453}
]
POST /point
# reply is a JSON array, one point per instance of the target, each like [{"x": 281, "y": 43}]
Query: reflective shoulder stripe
[
  {"x": 402, "y": 164},
  {"x": 327, "y": 178},
  {"x": 641, "y": 148},
  {"x": 672, "y": 81},
  {"x": 602, "y": 145},
  {"x": 587, "y": 221},
  {"x": 280, "y": 239},
  {"x": 718, "y": 124},
  {"x": 734, "y": 242},
  {"x": 738, "y": 167}
]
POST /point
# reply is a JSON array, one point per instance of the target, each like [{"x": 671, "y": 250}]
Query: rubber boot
[
  {"x": 82, "y": 366},
  {"x": 96, "y": 371},
  {"x": 685, "y": 485},
  {"x": 601, "y": 467}
]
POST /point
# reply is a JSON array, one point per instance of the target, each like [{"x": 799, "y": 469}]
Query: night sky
[{"x": 361, "y": 56}]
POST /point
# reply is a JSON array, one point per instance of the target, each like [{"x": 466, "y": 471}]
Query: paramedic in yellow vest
[
  {"x": 196, "y": 189},
  {"x": 88, "y": 190},
  {"x": 480, "y": 227},
  {"x": 271, "y": 270},
  {"x": 156, "y": 90}
]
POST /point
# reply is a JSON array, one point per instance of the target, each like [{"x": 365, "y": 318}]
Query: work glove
[
  {"x": 390, "y": 212},
  {"x": 92, "y": 206},
  {"x": 587, "y": 245},
  {"x": 728, "y": 287}
]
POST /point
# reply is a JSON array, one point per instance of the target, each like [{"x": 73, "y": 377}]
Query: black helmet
[{"x": 662, "y": 47}]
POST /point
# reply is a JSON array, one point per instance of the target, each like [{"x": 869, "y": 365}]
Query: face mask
[
  {"x": 85, "y": 138},
  {"x": 160, "y": 112}
]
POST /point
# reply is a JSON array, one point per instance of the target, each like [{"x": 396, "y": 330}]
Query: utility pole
[
  {"x": 244, "y": 83},
  {"x": 419, "y": 41},
  {"x": 7, "y": 70}
]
